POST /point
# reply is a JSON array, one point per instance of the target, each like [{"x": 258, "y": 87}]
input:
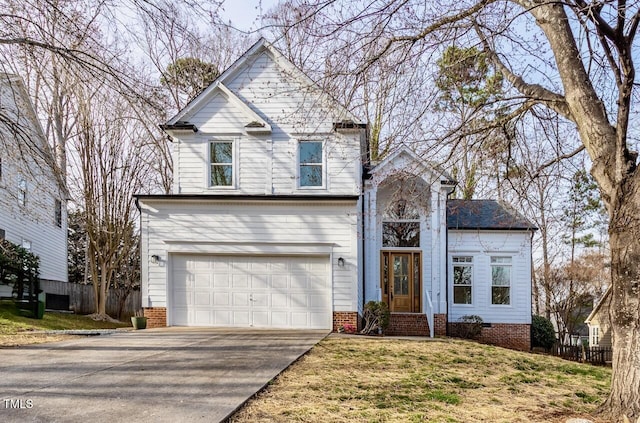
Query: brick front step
[{"x": 408, "y": 324}]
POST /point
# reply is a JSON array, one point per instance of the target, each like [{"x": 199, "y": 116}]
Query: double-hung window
[
  {"x": 501, "y": 280},
  {"x": 595, "y": 336},
  {"x": 221, "y": 161},
  {"x": 22, "y": 192},
  {"x": 462, "y": 280},
  {"x": 57, "y": 218},
  {"x": 310, "y": 160}
]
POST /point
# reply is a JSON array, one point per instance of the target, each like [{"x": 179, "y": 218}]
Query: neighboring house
[
  {"x": 33, "y": 199},
  {"x": 279, "y": 219},
  {"x": 599, "y": 322}
]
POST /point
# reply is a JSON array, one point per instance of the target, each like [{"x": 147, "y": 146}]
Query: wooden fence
[
  {"x": 593, "y": 355},
  {"x": 82, "y": 299}
]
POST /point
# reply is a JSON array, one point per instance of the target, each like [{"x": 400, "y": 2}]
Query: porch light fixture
[
  {"x": 341, "y": 262},
  {"x": 155, "y": 259}
]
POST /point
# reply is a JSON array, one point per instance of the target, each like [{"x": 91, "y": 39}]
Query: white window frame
[
  {"x": 26, "y": 244},
  {"x": 508, "y": 264},
  {"x": 594, "y": 340},
  {"x": 22, "y": 192},
  {"x": 57, "y": 212},
  {"x": 387, "y": 219},
  {"x": 465, "y": 263},
  {"x": 323, "y": 145},
  {"x": 234, "y": 164}
]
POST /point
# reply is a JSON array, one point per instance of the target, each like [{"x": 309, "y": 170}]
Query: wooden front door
[{"x": 400, "y": 281}]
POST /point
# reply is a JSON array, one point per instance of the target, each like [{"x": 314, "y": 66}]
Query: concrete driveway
[{"x": 156, "y": 375}]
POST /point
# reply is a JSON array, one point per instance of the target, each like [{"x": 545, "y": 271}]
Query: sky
[{"x": 244, "y": 14}]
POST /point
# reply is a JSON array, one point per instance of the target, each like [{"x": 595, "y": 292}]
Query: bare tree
[
  {"x": 112, "y": 166},
  {"x": 576, "y": 59}
]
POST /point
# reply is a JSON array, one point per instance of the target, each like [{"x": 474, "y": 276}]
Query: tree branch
[
  {"x": 448, "y": 20},
  {"x": 536, "y": 92}
]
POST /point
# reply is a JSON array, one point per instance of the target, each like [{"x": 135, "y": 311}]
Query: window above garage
[{"x": 222, "y": 164}]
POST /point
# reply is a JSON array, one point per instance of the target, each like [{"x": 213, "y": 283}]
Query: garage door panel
[
  {"x": 300, "y": 319},
  {"x": 279, "y": 300},
  {"x": 220, "y": 280},
  {"x": 259, "y": 291},
  {"x": 260, "y": 282},
  {"x": 240, "y": 299},
  {"x": 202, "y": 298},
  {"x": 221, "y": 299},
  {"x": 239, "y": 281},
  {"x": 317, "y": 319},
  {"x": 259, "y": 300},
  {"x": 202, "y": 317},
  {"x": 202, "y": 280},
  {"x": 221, "y": 318},
  {"x": 317, "y": 301},
  {"x": 240, "y": 318},
  {"x": 299, "y": 301},
  {"x": 279, "y": 319}
]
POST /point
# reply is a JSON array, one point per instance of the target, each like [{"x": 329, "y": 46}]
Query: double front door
[{"x": 400, "y": 281}]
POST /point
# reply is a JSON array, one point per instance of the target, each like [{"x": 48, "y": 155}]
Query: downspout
[
  {"x": 364, "y": 255},
  {"x": 446, "y": 255},
  {"x": 365, "y": 175}
]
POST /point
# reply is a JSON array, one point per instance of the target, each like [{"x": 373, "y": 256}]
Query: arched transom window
[{"x": 401, "y": 225}]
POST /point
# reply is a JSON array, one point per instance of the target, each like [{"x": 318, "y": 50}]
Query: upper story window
[
  {"x": 311, "y": 163},
  {"x": 22, "y": 192},
  {"x": 401, "y": 225},
  {"x": 58, "y": 213},
  {"x": 501, "y": 280},
  {"x": 462, "y": 280},
  {"x": 221, "y": 162}
]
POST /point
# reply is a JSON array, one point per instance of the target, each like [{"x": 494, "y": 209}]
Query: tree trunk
[
  {"x": 624, "y": 233},
  {"x": 102, "y": 298}
]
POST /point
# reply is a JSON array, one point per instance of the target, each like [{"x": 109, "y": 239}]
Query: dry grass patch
[
  {"x": 17, "y": 329},
  {"x": 26, "y": 338},
  {"x": 347, "y": 379}
]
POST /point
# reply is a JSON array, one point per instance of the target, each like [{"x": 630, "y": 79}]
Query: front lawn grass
[
  {"x": 361, "y": 379},
  {"x": 17, "y": 329}
]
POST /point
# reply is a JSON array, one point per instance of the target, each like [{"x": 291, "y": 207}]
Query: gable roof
[
  {"x": 389, "y": 162},
  {"x": 598, "y": 306},
  {"x": 484, "y": 214},
  {"x": 260, "y": 46},
  {"x": 254, "y": 122}
]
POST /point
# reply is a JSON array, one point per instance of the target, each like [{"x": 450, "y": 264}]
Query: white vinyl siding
[
  {"x": 252, "y": 227},
  {"x": 35, "y": 221},
  {"x": 267, "y": 163},
  {"x": 482, "y": 245}
]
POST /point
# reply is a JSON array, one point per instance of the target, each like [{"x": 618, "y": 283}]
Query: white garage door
[{"x": 257, "y": 291}]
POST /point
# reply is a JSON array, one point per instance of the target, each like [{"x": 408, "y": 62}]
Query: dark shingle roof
[{"x": 484, "y": 214}]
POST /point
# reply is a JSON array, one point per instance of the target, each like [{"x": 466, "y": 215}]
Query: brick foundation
[
  {"x": 407, "y": 324},
  {"x": 440, "y": 325},
  {"x": 341, "y": 318},
  {"x": 513, "y": 336},
  {"x": 156, "y": 317}
]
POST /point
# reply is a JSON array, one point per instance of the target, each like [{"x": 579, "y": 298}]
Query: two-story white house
[
  {"x": 33, "y": 198},
  {"x": 278, "y": 219}
]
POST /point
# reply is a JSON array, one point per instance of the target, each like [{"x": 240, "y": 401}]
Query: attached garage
[{"x": 250, "y": 291}]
